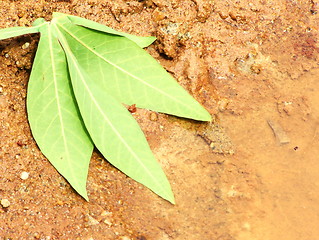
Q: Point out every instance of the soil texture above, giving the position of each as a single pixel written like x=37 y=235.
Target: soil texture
x=253 y=173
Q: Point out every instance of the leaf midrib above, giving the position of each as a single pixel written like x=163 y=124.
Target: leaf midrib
x=59 y=107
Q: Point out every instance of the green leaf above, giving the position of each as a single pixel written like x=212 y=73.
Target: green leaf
x=130 y=74
x=112 y=128
x=140 y=41
x=53 y=114
x=17 y=31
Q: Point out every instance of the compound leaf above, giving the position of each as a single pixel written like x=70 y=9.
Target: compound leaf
x=113 y=130
x=81 y=74
x=53 y=114
x=129 y=74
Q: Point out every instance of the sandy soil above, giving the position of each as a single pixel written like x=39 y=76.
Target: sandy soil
x=253 y=65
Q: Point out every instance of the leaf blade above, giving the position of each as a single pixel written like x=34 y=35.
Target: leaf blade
x=53 y=115
x=134 y=79
x=16 y=31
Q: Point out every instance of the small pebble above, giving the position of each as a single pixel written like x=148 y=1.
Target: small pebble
x=92 y=221
x=59 y=203
x=108 y=222
x=222 y=105
x=132 y=108
x=124 y=238
x=26 y=45
x=106 y=213
x=36 y=235
x=24 y=175
x=158 y=15
x=153 y=116
x=5 y=203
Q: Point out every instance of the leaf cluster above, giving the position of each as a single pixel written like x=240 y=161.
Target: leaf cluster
x=82 y=74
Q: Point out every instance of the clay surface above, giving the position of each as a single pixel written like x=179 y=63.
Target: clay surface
x=247 y=62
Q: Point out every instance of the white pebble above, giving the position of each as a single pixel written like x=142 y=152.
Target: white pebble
x=5 y=203
x=124 y=238
x=26 y=45
x=24 y=175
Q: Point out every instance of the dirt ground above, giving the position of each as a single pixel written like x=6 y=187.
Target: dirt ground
x=252 y=174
